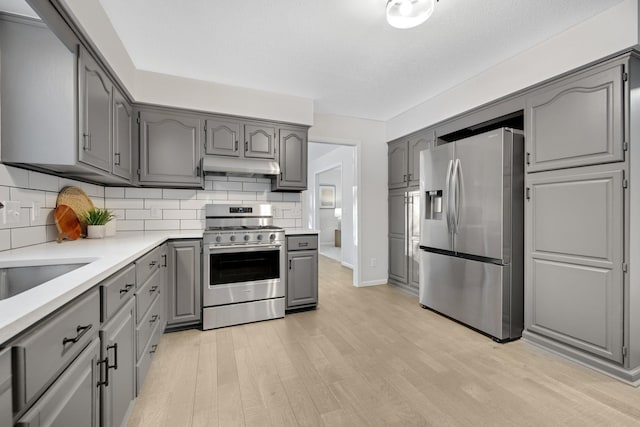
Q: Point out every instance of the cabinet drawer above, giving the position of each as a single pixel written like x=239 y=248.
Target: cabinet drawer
x=146 y=294
x=302 y=243
x=147 y=264
x=43 y=353
x=73 y=399
x=116 y=291
x=5 y=388
x=142 y=367
x=144 y=330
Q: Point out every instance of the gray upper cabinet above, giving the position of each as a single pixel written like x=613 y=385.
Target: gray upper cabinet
x=578 y=121
x=223 y=137
x=170 y=149
x=94 y=93
x=259 y=141
x=184 y=283
x=404 y=159
x=574 y=258
x=122 y=135
x=292 y=153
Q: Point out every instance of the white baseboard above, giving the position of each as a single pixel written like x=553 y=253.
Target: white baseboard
x=372 y=283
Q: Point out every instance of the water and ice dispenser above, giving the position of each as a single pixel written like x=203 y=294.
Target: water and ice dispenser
x=433 y=204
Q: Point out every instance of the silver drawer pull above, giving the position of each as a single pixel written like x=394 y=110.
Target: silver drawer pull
x=126 y=288
x=153 y=289
x=154 y=318
x=80 y=331
x=303 y=244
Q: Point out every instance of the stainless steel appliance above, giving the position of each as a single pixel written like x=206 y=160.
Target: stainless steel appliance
x=243 y=266
x=471 y=235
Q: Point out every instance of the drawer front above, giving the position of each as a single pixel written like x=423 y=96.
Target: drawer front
x=144 y=330
x=42 y=354
x=117 y=290
x=142 y=367
x=146 y=294
x=5 y=388
x=302 y=243
x=147 y=264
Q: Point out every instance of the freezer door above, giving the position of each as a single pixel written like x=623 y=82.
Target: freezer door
x=476 y=293
x=481 y=187
x=435 y=167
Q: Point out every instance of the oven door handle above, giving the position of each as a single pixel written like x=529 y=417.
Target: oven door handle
x=241 y=248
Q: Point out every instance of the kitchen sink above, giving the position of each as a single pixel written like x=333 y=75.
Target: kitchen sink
x=15 y=280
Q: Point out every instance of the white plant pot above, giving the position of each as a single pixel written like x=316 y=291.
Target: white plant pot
x=95 y=231
x=110 y=228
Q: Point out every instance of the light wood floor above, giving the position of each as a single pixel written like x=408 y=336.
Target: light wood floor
x=369 y=356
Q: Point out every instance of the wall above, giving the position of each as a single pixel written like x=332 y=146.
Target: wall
x=612 y=31
x=368 y=136
x=328 y=221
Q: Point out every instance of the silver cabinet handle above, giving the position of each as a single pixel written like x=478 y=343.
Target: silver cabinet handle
x=117 y=159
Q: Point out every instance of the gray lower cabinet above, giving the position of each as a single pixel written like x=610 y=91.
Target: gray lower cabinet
x=170 y=149
x=302 y=271
x=6 y=407
x=73 y=400
x=184 y=283
x=404 y=239
x=292 y=157
x=577 y=121
x=117 y=339
x=574 y=292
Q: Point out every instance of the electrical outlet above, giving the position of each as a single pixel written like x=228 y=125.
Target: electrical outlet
x=373 y=262
x=10 y=212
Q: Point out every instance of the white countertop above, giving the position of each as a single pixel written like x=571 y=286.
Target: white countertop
x=294 y=231
x=104 y=257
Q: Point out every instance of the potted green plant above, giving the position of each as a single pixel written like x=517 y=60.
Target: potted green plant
x=96 y=220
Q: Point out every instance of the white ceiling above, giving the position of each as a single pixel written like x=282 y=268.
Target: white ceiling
x=340 y=53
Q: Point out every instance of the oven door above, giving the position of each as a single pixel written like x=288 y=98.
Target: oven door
x=242 y=273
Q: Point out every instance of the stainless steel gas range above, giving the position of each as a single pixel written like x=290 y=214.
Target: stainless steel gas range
x=243 y=266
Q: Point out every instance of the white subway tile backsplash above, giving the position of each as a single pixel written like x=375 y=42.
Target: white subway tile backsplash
x=143 y=193
x=114 y=192
x=256 y=186
x=124 y=203
x=274 y=197
x=227 y=186
x=179 y=214
x=137 y=214
x=51 y=232
x=211 y=195
x=241 y=179
x=119 y=213
x=41 y=181
x=191 y=224
x=285 y=223
x=193 y=204
x=126 y=225
x=159 y=224
x=178 y=194
x=241 y=196
x=44 y=217
x=27 y=236
x=50 y=200
x=216 y=178
x=267 y=180
x=13 y=177
x=5 y=192
x=291 y=197
x=92 y=190
x=5 y=240
x=162 y=204
x=27 y=197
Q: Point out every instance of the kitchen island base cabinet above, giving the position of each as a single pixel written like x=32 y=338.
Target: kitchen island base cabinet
x=302 y=271
x=184 y=305
x=73 y=399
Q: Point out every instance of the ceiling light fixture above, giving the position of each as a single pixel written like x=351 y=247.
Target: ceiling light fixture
x=409 y=13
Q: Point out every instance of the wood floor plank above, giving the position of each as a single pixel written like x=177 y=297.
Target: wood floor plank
x=370 y=357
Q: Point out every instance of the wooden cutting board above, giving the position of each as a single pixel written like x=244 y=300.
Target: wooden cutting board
x=67 y=223
x=76 y=199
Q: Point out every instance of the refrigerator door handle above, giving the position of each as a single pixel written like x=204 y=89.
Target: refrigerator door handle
x=456 y=186
x=448 y=196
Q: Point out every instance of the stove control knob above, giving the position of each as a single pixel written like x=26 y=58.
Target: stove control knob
x=232 y=238
x=272 y=236
x=246 y=237
x=259 y=237
x=218 y=239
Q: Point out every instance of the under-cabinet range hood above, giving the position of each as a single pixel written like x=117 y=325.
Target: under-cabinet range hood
x=244 y=167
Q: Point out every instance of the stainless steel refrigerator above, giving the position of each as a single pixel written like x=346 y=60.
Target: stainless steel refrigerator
x=471 y=231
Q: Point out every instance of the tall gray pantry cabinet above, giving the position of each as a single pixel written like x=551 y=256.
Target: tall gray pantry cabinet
x=404 y=208
x=579 y=298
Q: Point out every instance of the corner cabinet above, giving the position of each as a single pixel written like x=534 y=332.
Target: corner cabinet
x=170 y=149
x=302 y=271
x=292 y=157
x=184 y=283
x=404 y=159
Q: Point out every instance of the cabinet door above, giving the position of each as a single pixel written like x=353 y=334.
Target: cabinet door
x=302 y=278
x=73 y=399
x=122 y=135
x=574 y=256
x=293 y=160
x=413 y=236
x=117 y=340
x=94 y=91
x=184 y=303
x=170 y=149
x=576 y=123
x=260 y=141
x=398 y=170
x=398 y=236
x=6 y=407
x=415 y=146
x=222 y=138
